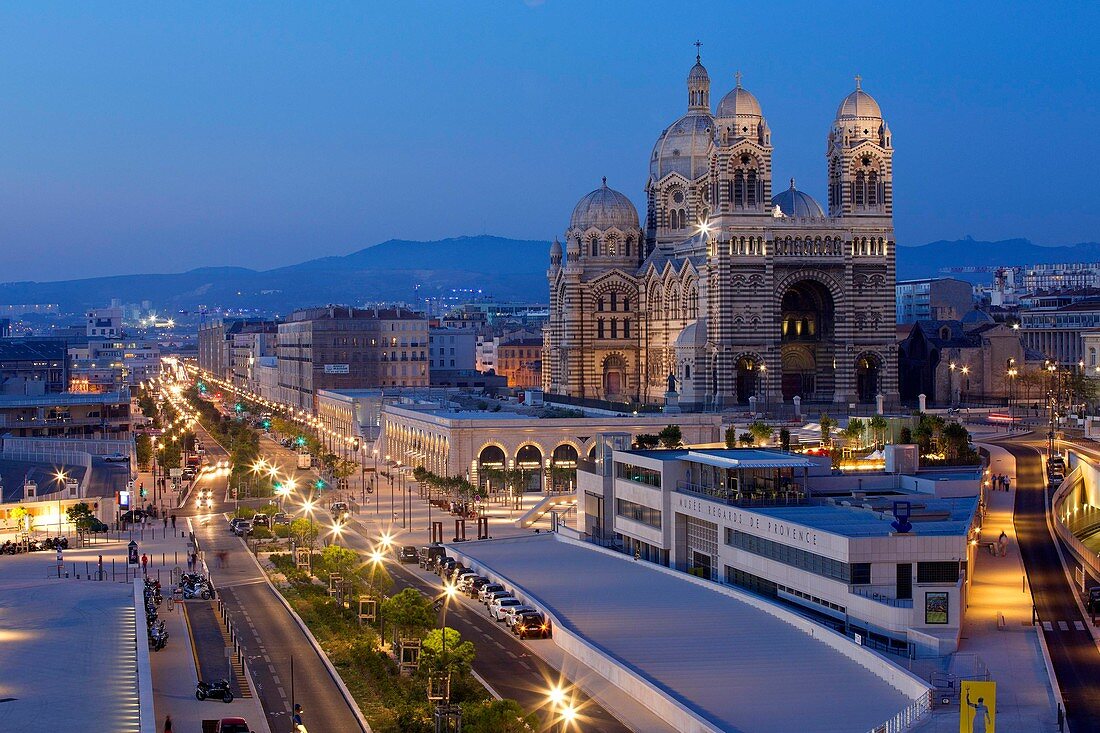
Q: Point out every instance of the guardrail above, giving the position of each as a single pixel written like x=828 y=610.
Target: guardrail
x=1064 y=503
x=906 y=718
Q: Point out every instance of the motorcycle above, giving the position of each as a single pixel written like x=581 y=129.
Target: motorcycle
x=158 y=637
x=197 y=591
x=218 y=690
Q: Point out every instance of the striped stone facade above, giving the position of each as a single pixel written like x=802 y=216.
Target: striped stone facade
x=735 y=293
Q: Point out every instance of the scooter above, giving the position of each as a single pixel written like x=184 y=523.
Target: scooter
x=158 y=637
x=218 y=690
x=197 y=591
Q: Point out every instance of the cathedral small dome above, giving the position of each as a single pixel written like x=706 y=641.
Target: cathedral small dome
x=698 y=72
x=858 y=104
x=555 y=249
x=684 y=147
x=604 y=208
x=797 y=205
x=739 y=103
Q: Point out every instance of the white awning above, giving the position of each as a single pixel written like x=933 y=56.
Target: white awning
x=769 y=462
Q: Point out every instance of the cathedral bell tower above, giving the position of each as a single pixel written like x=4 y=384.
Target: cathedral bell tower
x=860 y=153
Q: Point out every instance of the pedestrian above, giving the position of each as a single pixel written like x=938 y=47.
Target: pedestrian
x=173 y=521
x=1007 y=483
x=144 y=564
x=168 y=724
x=296 y=719
x=1002 y=542
x=165 y=522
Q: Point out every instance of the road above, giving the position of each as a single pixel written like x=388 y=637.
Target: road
x=269 y=634
x=507 y=664
x=1073 y=651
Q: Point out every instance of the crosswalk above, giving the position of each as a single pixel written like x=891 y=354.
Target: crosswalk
x=1063 y=625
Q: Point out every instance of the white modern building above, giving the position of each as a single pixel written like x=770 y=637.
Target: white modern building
x=452 y=348
x=782 y=526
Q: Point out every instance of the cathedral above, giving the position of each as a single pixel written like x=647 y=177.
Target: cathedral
x=730 y=291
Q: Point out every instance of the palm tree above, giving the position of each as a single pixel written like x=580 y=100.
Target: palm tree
x=878 y=427
x=761 y=432
x=854 y=432
x=827 y=425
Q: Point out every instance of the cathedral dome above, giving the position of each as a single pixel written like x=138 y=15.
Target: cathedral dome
x=797 y=205
x=604 y=208
x=555 y=249
x=858 y=104
x=698 y=72
x=739 y=103
x=684 y=147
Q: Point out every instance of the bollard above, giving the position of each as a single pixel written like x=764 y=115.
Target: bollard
x=112 y=570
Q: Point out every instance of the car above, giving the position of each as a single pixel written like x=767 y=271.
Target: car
x=234 y=522
x=261 y=520
x=445 y=566
x=467 y=581
x=132 y=516
x=116 y=458
x=407 y=554
x=452 y=572
x=244 y=527
x=488 y=588
x=428 y=554
x=532 y=624
x=511 y=613
x=279 y=518
x=340 y=511
x=97 y=526
x=474 y=589
x=497 y=595
x=232 y=725
x=204 y=502
x=496 y=608
x=457 y=578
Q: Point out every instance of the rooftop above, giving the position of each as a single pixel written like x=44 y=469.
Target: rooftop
x=65 y=398
x=739 y=662
x=930 y=516
x=730 y=457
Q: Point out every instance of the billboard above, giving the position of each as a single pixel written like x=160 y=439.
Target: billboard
x=977 y=707
x=337 y=369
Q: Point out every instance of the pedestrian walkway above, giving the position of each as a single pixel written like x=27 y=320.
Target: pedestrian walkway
x=997 y=633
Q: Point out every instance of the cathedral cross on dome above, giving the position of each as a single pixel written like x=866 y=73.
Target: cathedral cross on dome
x=859 y=81
x=698 y=47
x=737 y=76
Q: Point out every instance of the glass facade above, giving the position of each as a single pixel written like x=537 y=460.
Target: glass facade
x=638 y=513
x=938 y=572
x=637 y=474
x=793 y=556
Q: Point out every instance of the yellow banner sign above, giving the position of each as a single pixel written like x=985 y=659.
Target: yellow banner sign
x=977 y=707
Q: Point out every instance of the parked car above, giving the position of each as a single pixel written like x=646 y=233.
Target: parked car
x=497 y=595
x=97 y=526
x=457 y=578
x=244 y=527
x=428 y=554
x=132 y=516
x=261 y=520
x=511 y=613
x=483 y=593
x=496 y=608
x=445 y=566
x=453 y=572
x=532 y=624
x=234 y=522
x=233 y=725
x=407 y=554
x=279 y=518
x=467 y=581
x=116 y=458
x=474 y=589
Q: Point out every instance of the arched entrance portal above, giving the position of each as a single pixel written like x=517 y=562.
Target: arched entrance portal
x=529 y=460
x=806 y=332
x=563 y=468
x=868 y=375
x=748 y=369
x=614 y=377
x=489 y=462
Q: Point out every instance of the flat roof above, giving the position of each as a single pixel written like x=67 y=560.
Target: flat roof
x=64 y=398
x=730 y=457
x=930 y=516
x=741 y=667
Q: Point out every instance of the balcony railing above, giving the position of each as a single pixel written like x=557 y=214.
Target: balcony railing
x=791 y=495
x=879 y=594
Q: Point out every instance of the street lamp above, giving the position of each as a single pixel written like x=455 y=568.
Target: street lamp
x=307 y=507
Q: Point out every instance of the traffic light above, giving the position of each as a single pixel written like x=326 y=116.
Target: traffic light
x=238 y=407
x=300 y=440
x=266 y=424
x=320 y=485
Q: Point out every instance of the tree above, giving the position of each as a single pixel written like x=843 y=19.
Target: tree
x=854 y=432
x=731 y=436
x=761 y=432
x=303 y=533
x=905 y=435
x=785 y=439
x=745 y=439
x=956 y=441
x=80 y=516
x=409 y=611
x=20 y=516
x=646 y=441
x=878 y=427
x=827 y=425
x=671 y=437
x=143 y=445
x=497 y=716
x=458 y=656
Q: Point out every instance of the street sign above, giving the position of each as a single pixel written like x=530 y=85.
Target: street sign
x=175 y=472
x=132 y=553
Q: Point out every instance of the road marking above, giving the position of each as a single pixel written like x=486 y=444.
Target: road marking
x=511 y=654
x=1063 y=626
x=1047 y=626
x=1079 y=625
x=275 y=677
x=282 y=693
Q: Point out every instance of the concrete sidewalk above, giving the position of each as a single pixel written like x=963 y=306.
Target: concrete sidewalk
x=997 y=632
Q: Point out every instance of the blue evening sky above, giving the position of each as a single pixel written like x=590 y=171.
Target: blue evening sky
x=140 y=137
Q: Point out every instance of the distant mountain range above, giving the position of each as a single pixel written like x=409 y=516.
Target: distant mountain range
x=509 y=269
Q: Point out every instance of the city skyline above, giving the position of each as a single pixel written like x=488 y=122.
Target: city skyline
x=169 y=140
